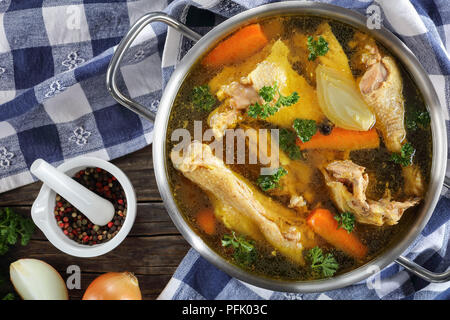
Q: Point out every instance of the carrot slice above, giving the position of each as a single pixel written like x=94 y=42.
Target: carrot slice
x=325 y=225
x=342 y=139
x=240 y=45
x=206 y=220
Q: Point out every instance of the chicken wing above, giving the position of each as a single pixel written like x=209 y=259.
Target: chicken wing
x=347 y=183
x=381 y=86
x=280 y=226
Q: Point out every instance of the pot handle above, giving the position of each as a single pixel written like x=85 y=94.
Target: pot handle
x=125 y=44
x=421 y=271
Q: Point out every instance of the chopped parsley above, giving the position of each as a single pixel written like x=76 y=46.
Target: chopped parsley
x=406 y=155
x=324 y=265
x=262 y=111
x=202 y=98
x=287 y=101
x=268 y=93
x=418 y=120
x=244 y=250
x=288 y=145
x=268 y=182
x=305 y=129
x=13 y=226
x=317 y=47
x=269 y=107
x=346 y=221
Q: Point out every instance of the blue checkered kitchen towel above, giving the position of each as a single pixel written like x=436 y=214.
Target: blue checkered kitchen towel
x=54 y=105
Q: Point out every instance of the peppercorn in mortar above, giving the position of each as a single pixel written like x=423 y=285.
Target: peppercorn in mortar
x=76 y=225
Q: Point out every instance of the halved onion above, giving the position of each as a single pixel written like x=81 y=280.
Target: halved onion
x=341 y=101
x=34 y=279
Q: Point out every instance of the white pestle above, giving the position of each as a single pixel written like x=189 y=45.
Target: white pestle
x=97 y=209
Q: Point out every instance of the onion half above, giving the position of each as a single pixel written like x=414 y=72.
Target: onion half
x=341 y=101
x=36 y=280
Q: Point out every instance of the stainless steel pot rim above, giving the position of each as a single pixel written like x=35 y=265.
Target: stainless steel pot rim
x=397 y=48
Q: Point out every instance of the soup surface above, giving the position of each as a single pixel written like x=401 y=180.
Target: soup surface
x=335 y=149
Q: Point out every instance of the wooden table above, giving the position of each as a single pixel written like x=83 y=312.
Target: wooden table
x=152 y=250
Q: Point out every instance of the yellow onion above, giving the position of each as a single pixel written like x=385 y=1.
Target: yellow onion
x=341 y=101
x=114 y=286
x=36 y=280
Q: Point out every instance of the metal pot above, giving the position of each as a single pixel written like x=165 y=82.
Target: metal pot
x=439 y=137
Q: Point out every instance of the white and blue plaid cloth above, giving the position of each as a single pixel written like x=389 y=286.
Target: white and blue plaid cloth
x=54 y=105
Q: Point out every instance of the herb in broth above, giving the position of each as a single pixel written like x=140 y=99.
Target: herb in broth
x=244 y=252
x=287 y=140
x=268 y=182
x=259 y=256
x=202 y=98
x=418 y=120
x=269 y=108
x=405 y=157
x=317 y=47
x=305 y=129
x=322 y=265
x=346 y=221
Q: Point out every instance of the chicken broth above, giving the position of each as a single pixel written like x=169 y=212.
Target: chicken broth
x=310 y=78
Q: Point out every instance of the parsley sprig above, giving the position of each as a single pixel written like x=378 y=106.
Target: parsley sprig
x=317 y=47
x=346 y=221
x=270 y=107
x=323 y=265
x=13 y=226
x=202 y=98
x=418 y=120
x=406 y=155
x=244 y=250
x=288 y=145
x=268 y=182
x=305 y=129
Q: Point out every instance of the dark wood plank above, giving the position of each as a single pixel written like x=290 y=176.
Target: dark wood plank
x=152 y=259
x=138 y=166
x=141 y=255
x=151 y=220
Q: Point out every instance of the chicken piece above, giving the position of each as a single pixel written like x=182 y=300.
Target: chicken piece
x=381 y=86
x=307 y=106
x=280 y=226
x=235 y=220
x=335 y=58
x=231 y=73
x=347 y=183
x=276 y=68
x=414 y=184
x=367 y=52
x=297 y=202
x=342 y=176
x=223 y=118
x=242 y=95
x=268 y=72
x=388 y=212
x=296 y=182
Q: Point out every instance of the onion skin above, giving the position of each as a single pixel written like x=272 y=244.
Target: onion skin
x=114 y=286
